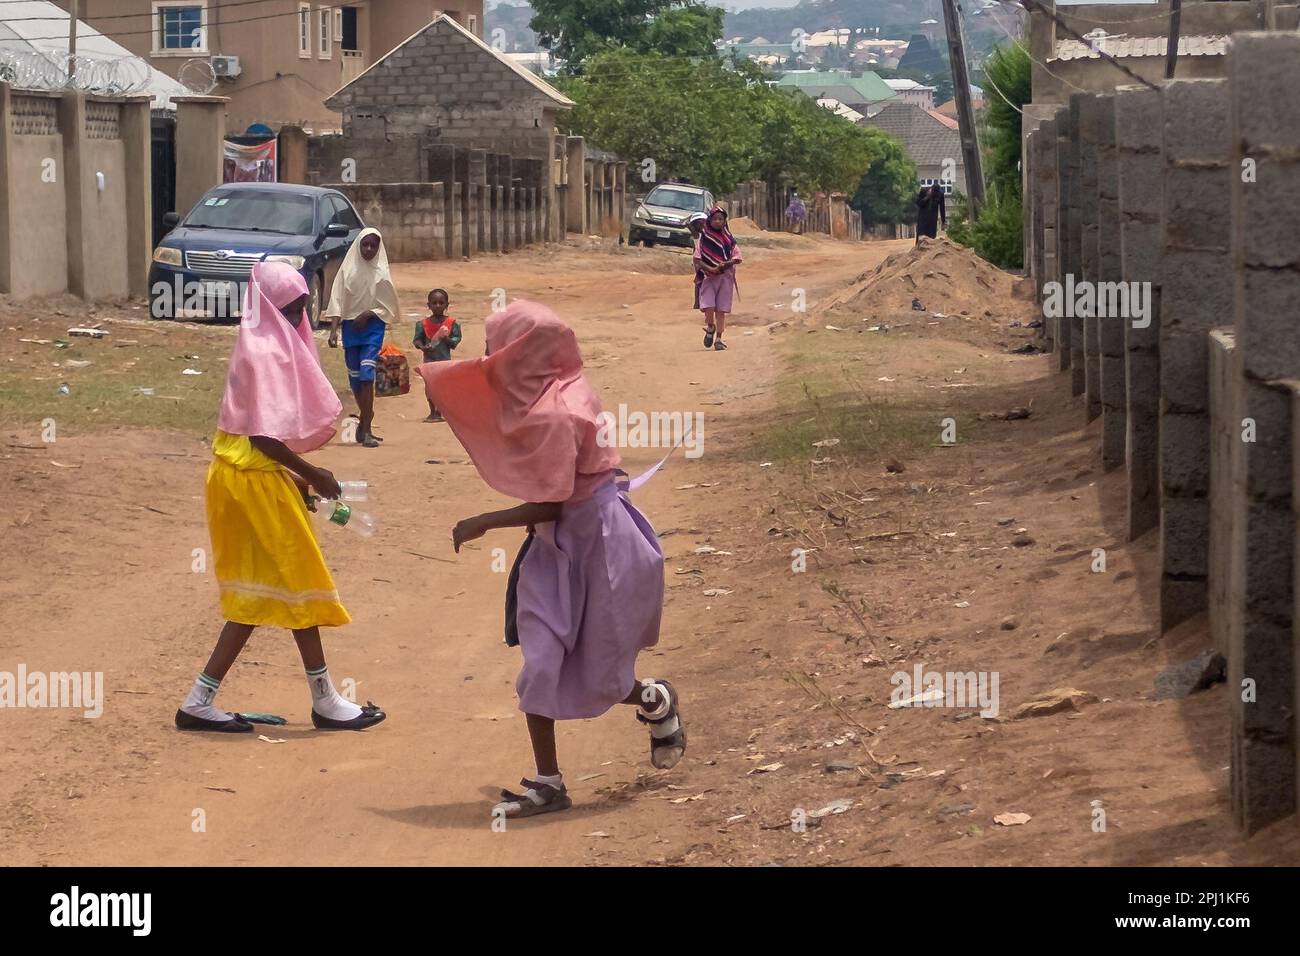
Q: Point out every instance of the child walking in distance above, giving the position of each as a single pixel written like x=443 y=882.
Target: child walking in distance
x=716 y=255
x=278 y=405
x=364 y=301
x=586 y=592
x=436 y=336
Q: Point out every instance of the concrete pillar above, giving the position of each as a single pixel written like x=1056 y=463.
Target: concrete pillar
x=1263 y=69
x=1139 y=131
x=1110 y=326
x=1078 y=363
x=505 y=174
x=137 y=139
x=1196 y=295
x=1225 y=434
x=1046 y=203
x=1090 y=121
x=520 y=211
x=200 y=147
x=576 y=194
x=442 y=168
x=479 y=199
x=292 y=146
x=1067 y=156
x=620 y=198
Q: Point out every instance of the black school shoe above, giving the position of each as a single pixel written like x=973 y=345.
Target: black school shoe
x=369 y=716
x=708 y=337
x=237 y=725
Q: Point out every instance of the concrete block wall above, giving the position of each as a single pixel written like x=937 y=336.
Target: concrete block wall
x=1045 y=204
x=1196 y=295
x=1265 y=193
x=1110 y=328
x=75 y=192
x=1139 y=134
x=1089 y=122
x=411 y=216
x=1193 y=186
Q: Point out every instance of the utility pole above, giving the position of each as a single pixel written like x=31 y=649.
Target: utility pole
x=970 y=147
x=74 y=12
x=1175 y=26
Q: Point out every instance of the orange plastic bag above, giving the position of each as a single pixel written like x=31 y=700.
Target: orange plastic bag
x=393 y=374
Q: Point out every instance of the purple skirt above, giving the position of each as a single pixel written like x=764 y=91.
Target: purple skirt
x=589 y=597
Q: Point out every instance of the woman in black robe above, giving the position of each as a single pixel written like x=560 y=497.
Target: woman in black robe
x=930 y=211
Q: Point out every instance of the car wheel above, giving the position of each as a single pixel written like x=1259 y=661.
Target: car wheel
x=314 y=301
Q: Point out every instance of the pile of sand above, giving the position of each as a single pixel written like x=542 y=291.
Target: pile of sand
x=744 y=226
x=938 y=274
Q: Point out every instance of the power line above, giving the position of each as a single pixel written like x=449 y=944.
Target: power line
x=989 y=79
x=1040 y=64
x=1032 y=5
x=150 y=31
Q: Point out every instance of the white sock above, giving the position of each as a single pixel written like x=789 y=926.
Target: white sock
x=667 y=727
x=556 y=781
x=327 y=701
x=199 y=702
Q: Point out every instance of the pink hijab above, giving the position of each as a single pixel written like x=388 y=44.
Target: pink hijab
x=524 y=412
x=275 y=386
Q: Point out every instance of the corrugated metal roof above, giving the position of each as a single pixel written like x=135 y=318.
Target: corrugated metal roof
x=1123 y=46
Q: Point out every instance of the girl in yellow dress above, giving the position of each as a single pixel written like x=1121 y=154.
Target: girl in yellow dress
x=278 y=404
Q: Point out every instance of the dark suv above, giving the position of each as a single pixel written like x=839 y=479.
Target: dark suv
x=201 y=267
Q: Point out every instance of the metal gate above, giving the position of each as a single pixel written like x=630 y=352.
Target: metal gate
x=163 y=154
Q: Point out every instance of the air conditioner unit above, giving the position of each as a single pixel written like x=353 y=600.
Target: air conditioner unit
x=226 y=67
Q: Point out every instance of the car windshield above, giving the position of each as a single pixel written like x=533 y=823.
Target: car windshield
x=676 y=199
x=255 y=211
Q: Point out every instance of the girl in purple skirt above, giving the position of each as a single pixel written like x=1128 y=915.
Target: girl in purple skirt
x=586 y=592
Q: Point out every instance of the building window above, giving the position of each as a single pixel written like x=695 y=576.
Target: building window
x=304 y=30
x=473 y=24
x=324 y=48
x=348 y=37
x=180 y=28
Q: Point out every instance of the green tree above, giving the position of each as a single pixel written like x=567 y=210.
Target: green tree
x=887 y=192
x=578 y=30
x=997 y=234
x=1006 y=74
x=716 y=123
x=692 y=119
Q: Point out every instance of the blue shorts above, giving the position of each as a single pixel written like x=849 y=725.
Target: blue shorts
x=362 y=361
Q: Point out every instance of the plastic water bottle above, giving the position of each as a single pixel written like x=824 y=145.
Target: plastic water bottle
x=341 y=513
x=354 y=491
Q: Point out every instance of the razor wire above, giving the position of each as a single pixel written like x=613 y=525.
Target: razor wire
x=53 y=71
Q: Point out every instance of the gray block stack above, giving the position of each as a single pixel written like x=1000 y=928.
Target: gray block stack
x=1196 y=296
x=1139 y=131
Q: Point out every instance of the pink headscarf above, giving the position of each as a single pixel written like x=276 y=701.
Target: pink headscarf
x=525 y=413
x=275 y=386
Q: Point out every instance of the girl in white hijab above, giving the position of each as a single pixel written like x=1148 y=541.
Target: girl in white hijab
x=364 y=300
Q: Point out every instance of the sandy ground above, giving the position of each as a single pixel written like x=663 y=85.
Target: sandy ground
x=785 y=677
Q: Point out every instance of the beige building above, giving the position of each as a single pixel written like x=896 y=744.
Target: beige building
x=277 y=60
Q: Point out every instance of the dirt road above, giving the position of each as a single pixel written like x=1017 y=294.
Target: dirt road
x=105 y=582
x=826 y=540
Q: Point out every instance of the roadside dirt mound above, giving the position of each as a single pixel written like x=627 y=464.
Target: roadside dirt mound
x=939 y=275
x=744 y=226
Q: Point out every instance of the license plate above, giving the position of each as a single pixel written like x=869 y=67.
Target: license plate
x=663 y=234
x=218 y=288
